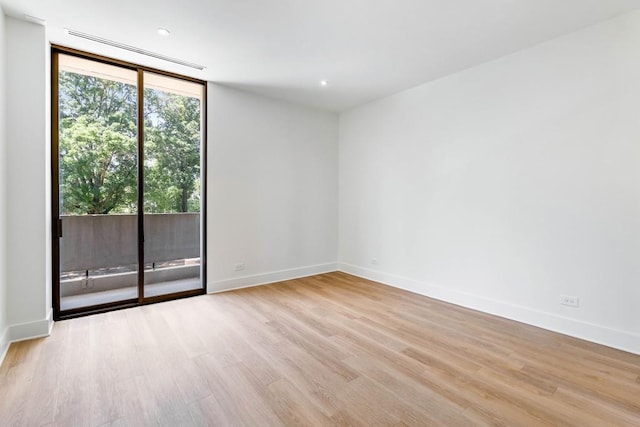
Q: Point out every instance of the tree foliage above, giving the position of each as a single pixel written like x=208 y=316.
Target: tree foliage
x=98 y=148
x=172 y=153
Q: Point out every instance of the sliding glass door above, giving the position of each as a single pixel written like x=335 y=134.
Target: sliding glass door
x=97 y=174
x=128 y=168
x=172 y=184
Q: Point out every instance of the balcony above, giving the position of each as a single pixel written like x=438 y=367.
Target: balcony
x=99 y=257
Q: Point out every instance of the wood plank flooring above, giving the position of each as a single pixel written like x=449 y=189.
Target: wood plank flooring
x=331 y=349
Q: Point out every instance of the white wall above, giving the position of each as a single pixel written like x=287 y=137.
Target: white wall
x=4 y=331
x=28 y=169
x=273 y=189
x=507 y=185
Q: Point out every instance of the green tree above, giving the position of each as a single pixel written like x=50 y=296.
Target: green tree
x=98 y=148
x=99 y=169
x=97 y=145
x=102 y=100
x=172 y=153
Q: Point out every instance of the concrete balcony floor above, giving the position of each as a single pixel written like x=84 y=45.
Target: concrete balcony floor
x=130 y=292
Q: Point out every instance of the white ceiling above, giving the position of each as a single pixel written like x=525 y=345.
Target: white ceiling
x=366 y=49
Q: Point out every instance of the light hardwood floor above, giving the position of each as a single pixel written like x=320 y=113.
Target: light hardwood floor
x=325 y=350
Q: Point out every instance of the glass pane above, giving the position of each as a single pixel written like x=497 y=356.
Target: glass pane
x=172 y=190
x=98 y=182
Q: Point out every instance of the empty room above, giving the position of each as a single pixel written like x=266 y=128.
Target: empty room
x=358 y=213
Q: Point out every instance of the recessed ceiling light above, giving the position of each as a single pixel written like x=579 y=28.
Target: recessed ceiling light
x=324 y=83
x=163 y=32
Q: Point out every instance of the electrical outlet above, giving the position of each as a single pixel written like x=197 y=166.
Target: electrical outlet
x=569 y=300
x=239 y=266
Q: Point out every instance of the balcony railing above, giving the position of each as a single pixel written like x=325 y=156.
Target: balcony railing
x=98 y=253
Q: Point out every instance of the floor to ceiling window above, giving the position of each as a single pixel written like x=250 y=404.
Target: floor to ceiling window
x=128 y=161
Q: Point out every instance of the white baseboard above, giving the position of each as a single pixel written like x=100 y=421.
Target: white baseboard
x=622 y=340
x=4 y=344
x=271 y=277
x=25 y=331
x=30 y=330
